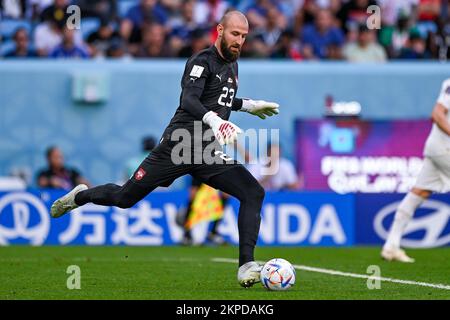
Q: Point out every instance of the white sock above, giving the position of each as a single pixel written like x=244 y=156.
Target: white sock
x=403 y=215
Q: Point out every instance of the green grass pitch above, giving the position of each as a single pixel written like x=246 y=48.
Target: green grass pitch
x=190 y=273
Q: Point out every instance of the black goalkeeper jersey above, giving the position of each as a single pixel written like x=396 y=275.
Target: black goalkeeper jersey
x=209 y=83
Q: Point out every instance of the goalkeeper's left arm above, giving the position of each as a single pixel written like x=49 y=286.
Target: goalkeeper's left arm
x=258 y=108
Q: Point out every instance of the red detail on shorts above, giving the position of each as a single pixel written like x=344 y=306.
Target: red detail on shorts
x=140 y=174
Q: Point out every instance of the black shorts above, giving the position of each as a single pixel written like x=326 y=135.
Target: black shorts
x=158 y=169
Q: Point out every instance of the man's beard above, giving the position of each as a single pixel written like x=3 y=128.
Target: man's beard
x=227 y=54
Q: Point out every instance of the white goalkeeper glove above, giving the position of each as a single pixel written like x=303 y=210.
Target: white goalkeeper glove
x=260 y=108
x=224 y=131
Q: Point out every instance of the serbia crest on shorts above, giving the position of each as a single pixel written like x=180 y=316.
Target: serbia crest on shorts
x=139 y=174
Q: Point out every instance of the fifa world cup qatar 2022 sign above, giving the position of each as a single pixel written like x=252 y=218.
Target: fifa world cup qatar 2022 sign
x=353 y=155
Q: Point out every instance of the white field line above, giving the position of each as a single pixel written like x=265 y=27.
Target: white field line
x=351 y=275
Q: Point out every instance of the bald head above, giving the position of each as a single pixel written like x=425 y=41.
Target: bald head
x=232 y=30
x=234 y=17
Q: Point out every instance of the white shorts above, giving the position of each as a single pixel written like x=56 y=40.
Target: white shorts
x=435 y=174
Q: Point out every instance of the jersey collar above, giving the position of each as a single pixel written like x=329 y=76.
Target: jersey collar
x=218 y=55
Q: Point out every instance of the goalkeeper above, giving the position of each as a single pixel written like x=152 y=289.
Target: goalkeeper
x=209 y=85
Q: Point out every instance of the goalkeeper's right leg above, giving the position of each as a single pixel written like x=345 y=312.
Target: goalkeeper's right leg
x=154 y=171
x=109 y=194
x=66 y=203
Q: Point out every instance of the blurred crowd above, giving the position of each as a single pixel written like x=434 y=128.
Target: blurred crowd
x=279 y=29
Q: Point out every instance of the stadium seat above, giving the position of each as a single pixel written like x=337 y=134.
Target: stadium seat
x=89 y=25
x=12 y=183
x=124 y=6
x=9 y=26
x=6 y=46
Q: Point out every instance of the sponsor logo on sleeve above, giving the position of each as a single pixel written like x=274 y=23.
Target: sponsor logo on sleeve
x=196 y=71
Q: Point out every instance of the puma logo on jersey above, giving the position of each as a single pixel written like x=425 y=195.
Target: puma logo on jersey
x=230 y=80
x=220 y=77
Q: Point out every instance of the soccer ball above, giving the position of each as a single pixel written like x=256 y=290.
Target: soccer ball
x=278 y=274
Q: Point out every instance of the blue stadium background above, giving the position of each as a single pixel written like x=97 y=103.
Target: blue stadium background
x=38 y=108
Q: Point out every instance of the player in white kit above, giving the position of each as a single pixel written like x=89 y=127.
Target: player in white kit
x=434 y=176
